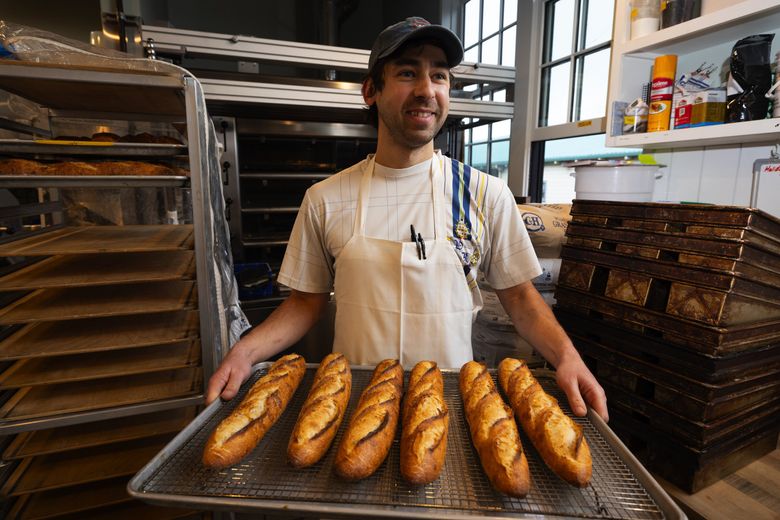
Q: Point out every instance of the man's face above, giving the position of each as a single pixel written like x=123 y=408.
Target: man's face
x=415 y=99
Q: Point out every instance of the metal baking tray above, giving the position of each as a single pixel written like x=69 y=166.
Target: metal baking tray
x=739 y=217
x=724 y=302
x=696 y=365
x=680 y=243
x=93 y=181
x=90 y=148
x=264 y=482
x=717 y=341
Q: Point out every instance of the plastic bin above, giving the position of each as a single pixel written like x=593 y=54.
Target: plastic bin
x=633 y=183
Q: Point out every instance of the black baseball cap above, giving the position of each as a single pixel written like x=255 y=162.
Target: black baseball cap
x=416 y=28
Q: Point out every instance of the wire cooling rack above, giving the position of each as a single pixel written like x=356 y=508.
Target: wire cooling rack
x=263 y=481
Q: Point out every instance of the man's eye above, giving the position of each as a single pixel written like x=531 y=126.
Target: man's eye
x=406 y=73
x=440 y=76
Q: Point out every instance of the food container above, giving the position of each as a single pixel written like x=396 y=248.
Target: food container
x=626 y=182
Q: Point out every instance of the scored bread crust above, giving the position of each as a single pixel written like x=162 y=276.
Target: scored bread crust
x=244 y=428
x=558 y=439
x=493 y=431
x=322 y=412
x=425 y=425
x=371 y=429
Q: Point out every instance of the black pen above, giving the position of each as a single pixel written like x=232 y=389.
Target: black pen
x=414 y=235
x=422 y=245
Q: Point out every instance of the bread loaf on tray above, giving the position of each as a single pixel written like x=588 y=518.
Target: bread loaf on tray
x=493 y=431
x=244 y=428
x=371 y=429
x=425 y=425
x=322 y=412
x=558 y=439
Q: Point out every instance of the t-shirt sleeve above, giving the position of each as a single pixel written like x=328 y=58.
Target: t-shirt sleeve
x=307 y=266
x=512 y=258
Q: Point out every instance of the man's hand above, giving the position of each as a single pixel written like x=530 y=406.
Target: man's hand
x=227 y=379
x=286 y=325
x=535 y=322
x=581 y=387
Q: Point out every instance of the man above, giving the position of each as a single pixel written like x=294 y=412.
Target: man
x=400 y=236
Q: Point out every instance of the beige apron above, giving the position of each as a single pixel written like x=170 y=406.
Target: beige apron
x=392 y=304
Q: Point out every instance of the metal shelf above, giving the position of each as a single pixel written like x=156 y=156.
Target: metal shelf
x=90 y=148
x=284 y=176
x=13 y=427
x=101 y=181
x=75 y=88
x=247 y=92
x=280 y=209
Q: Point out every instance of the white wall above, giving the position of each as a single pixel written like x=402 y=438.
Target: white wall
x=717 y=175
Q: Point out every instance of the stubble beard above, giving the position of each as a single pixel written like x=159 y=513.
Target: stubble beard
x=411 y=138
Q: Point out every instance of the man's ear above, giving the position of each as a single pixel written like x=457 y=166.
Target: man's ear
x=369 y=91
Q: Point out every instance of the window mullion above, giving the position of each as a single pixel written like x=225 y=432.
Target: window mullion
x=570 y=104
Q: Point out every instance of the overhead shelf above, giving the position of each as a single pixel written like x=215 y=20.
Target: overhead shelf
x=728 y=24
x=340 y=98
x=762 y=131
x=706 y=39
x=75 y=88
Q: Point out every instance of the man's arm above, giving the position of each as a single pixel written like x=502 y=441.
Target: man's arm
x=535 y=322
x=286 y=325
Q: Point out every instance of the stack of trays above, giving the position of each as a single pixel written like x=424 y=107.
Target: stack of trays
x=676 y=308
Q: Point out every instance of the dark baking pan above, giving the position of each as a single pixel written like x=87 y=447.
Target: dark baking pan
x=696 y=365
x=696 y=434
x=678 y=381
x=671 y=244
x=690 y=407
x=745 y=279
x=717 y=300
x=708 y=215
x=689 y=468
x=717 y=341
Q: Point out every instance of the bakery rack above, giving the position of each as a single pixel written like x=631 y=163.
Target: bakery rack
x=106 y=331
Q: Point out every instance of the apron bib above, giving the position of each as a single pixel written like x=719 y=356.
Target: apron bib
x=392 y=304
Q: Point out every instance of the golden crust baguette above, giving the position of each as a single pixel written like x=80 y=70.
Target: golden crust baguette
x=244 y=428
x=493 y=431
x=425 y=425
x=322 y=412
x=558 y=439
x=371 y=429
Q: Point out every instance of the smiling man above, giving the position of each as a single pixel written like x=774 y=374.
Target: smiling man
x=400 y=237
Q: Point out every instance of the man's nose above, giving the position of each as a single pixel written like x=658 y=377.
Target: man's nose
x=423 y=87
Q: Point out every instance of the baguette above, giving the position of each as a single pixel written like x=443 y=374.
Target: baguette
x=425 y=425
x=493 y=431
x=558 y=439
x=322 y=412
x=371 y=430
x=244 y=428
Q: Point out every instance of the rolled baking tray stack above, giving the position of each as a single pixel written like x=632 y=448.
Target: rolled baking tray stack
x=676 y=309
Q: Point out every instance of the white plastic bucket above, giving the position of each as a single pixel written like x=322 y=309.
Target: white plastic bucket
x=628 y=182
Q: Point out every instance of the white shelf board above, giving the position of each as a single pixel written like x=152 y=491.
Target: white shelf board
x=728 y=24
x=762 y=131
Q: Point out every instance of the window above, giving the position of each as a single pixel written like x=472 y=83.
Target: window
x=489 y=36
x=486 y=145
x=575 y=60
x=489 y=31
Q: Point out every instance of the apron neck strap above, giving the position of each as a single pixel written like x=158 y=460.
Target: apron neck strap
x=437 y=196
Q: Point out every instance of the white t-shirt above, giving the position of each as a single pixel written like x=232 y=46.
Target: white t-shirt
x=483 y=222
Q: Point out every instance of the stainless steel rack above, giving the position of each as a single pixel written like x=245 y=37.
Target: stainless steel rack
x=47 y=410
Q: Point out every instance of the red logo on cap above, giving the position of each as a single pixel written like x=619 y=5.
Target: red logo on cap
x=418 y=22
